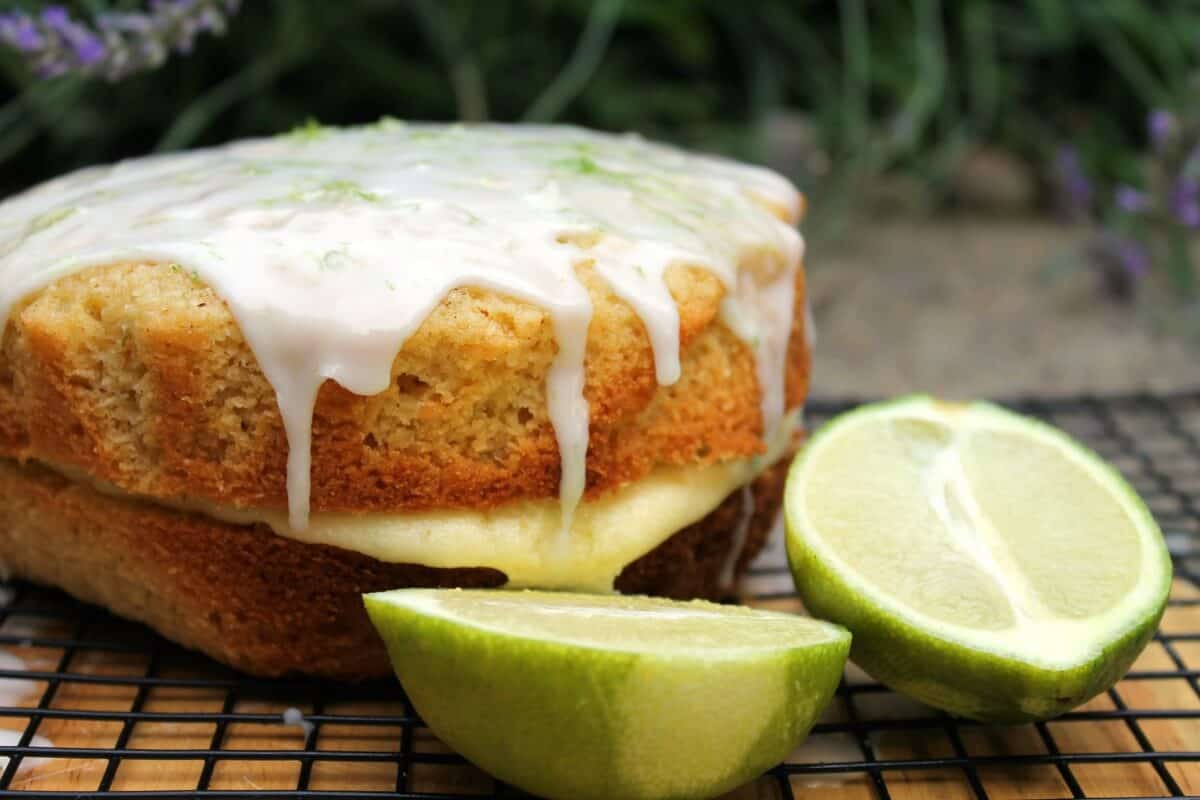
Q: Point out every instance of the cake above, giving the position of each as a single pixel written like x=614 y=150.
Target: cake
x=240 y=387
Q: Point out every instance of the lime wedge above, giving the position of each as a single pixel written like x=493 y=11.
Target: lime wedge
x=602 y=696
x=985 y=562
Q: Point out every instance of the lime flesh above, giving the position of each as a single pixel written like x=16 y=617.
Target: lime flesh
x=985 y=563
x=603 y=696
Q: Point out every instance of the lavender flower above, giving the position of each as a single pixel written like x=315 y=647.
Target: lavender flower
x=1134 y=257
x=1185 y=202
x=1077 y=188
x=117 y=44
x=1161 y=126
x=1121 y=262
x=1131 y=200
x=19 y=31
x=1153 y=228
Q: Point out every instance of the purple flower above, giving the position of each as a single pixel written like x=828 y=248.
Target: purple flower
x=1161 y=126
x=1134 y=257
x=1130 y=200
x=1185 y=202
x=19 y=31
x=56 y=18
x=89 y=50
x=1120 y=261
x=117 y=43
x=1077 y=188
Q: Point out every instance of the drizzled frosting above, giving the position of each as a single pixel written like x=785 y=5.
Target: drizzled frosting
x=331 y=246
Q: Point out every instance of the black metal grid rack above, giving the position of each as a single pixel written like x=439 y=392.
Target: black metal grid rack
x=95 y=705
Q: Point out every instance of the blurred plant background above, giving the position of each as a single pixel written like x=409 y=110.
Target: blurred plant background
x=925 y=108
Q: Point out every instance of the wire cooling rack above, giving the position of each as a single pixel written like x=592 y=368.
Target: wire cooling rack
x=94 y=705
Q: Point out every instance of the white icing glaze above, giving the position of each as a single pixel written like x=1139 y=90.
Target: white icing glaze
x=332 y=246
x=294 y=717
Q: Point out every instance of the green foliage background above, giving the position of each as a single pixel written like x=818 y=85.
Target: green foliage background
x=908 y=85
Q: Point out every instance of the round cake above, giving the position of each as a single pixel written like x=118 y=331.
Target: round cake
x=239 y=387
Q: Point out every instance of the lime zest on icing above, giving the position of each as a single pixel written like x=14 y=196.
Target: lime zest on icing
x=50 y=218
x=308 y=131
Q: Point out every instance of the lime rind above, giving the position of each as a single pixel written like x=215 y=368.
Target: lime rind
x=971 y=672
x=568 y=719
x=949 y=674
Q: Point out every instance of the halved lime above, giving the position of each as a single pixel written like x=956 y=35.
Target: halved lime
x=602 y=696
x=985 y=562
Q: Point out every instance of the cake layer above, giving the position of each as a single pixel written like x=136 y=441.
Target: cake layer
x=141 y=377
x=270 y=605
x=400 y=317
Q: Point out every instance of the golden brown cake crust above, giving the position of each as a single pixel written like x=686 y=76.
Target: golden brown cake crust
x=270 y=605
x=139 y=375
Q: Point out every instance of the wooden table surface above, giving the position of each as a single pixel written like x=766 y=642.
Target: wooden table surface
x=1165 y=707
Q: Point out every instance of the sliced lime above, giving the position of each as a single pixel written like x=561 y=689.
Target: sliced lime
x=986 y=563
x=602 y=696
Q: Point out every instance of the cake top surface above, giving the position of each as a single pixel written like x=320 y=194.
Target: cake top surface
x=331 y=246
x=353 y=209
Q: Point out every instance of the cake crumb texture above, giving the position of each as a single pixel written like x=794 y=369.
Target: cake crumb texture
x=138 y=375
x=273 y=606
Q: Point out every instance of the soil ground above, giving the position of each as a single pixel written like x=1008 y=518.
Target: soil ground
x=963 y=309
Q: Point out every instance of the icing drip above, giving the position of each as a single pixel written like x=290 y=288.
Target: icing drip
x=332 y=247
x=761 y=314
x=568 y=408
x=294 y=717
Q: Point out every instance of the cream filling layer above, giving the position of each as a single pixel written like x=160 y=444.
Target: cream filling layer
x=524 y=540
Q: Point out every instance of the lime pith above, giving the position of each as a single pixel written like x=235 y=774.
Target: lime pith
x=985 y=562
x=599 y=696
